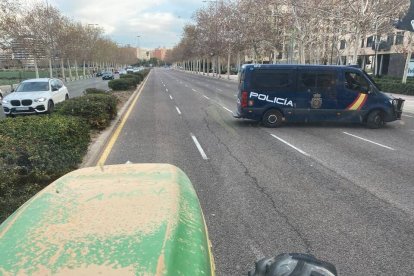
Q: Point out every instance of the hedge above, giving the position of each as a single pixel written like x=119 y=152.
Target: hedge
x=96 y=109
x=94 y=91
x=34 y=151
x=136 y=79
x=394 y=85
x=121 y=84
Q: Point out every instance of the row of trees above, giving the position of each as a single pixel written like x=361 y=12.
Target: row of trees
x=292 y=31
x=41 y=32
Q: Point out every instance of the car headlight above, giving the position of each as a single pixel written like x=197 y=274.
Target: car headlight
x=4 y=101
x=40 y=100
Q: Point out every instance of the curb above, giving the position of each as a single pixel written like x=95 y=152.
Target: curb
x=96 y=148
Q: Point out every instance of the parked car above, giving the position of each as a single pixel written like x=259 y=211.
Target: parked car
x=108 y=76
x=123 y=72
x=100 y=73
x=35 y=96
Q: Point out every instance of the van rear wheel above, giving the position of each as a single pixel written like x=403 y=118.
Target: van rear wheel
x=272 y=118
x=375 y=119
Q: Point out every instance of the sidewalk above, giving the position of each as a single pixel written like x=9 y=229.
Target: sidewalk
x=408 y=104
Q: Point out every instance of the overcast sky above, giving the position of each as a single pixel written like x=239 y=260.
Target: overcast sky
x=158 y=22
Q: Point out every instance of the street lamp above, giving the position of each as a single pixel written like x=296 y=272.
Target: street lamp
x=138 y=48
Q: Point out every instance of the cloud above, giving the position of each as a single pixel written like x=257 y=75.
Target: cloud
x=158 y=22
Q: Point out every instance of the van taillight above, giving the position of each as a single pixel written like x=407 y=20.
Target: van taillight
x=244 y=97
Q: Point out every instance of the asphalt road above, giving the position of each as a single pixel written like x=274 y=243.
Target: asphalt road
x=341 y=192
x=76 y=88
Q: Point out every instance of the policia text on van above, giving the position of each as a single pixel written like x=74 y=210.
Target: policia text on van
x=300 y=93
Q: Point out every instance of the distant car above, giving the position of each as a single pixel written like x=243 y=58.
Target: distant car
x=108 y=76
x=116 y=72
x=35 y=96
x=100 y=74
x=123 y=72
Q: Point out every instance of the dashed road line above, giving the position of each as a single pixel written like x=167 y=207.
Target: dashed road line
x=206 y=97
x=290 y=145
x=178 y=110
x=171 y=97
x=166 y=90
x=200 y=149
x=226 y=109
x=366 y=140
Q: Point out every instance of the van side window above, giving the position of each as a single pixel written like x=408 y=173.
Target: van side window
x=356 y=82
x=272 y=80
x=307 y=80
x=327 y=84
x=318 y=82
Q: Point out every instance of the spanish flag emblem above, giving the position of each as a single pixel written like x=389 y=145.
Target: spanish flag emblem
x=359 y=102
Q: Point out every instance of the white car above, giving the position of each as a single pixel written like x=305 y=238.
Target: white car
x=35 y=96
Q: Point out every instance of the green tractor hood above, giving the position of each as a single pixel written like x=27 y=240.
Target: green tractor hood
x=113 y=220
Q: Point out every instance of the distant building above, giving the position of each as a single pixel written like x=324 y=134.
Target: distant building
x=160 y=53
x=144 y=54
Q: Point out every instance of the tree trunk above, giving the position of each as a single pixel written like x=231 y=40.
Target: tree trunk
x=62 y=68
x=50 y=68
x=84 y=69
x=36 y=68
x=70 y=70
x=407 y=61
x=76 y=69
x=228 y=63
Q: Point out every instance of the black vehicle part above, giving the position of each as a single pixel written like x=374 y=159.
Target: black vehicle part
x=375 y=119
x=50 y=107
x=293 y=264
x=272 y=118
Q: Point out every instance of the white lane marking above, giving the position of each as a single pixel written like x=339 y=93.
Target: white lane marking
x=290 y=145
x=366 y=140
x=409 y=116
x=226 y=109
x=171 y=97
x=194 y=90
x=235 y=95
x=178 y=110
x=218 y=89
x=166 y=90
x=206 y=97
x=128 y=162
x=164 y=85
x=200 y=149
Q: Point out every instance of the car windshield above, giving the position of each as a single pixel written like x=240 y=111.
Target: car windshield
x=33 y=86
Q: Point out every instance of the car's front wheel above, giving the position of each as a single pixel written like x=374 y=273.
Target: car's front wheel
x=375 y=119
x=50 y=107
x=66 y=97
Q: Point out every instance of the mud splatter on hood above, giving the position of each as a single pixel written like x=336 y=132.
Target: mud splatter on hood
x=124 y=219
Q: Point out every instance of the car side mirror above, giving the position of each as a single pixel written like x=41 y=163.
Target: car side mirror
x=54 y=88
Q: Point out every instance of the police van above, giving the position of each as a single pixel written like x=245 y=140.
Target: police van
x=274 y=94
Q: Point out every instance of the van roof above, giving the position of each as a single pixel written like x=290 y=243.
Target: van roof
x=297 y=66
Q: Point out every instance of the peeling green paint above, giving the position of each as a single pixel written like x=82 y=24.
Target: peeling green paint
x=138 y=219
